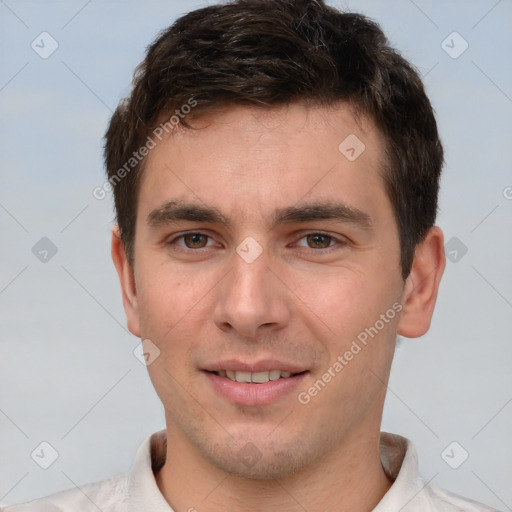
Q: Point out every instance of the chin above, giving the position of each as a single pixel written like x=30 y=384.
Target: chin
x=263 y=459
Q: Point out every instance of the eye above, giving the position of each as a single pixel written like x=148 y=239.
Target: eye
x=191 y=240
x=319 y=241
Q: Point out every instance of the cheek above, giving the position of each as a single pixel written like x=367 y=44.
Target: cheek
x=163 y=299
x=170 y=316
x=174 y=314
x=344 y=302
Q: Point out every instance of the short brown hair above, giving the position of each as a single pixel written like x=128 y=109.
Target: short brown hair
x=273 y=52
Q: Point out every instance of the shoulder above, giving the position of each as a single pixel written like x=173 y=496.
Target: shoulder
x=108 y=495
x=446 y=501
x=409 y=492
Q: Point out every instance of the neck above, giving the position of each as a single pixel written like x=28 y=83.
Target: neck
x=348 y=478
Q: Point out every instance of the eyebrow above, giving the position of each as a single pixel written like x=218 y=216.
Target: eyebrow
x=175 y=211
x=340 y=212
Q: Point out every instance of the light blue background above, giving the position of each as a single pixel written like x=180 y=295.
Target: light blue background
x=67 y=372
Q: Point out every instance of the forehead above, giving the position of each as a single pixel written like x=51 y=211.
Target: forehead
x=279 y=125
x=244 y=159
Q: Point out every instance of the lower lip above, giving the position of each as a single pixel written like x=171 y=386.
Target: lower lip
x=243 y=393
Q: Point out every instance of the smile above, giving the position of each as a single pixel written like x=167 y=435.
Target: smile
x=241 y=387
x=255 y=377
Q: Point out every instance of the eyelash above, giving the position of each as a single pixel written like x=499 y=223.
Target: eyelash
x=337 y=241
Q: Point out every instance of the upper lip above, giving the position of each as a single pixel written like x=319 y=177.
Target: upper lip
x=259 y=366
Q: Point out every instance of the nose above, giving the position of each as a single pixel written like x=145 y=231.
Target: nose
x=251 y=300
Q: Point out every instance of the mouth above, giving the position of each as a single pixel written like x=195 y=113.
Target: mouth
x=255 y=377
x=254 y=385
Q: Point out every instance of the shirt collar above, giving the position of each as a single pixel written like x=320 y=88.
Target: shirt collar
x=398 y=457
x=143 y=491
x=400 y=462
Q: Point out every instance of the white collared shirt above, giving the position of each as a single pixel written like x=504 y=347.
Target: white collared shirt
x=137 y=490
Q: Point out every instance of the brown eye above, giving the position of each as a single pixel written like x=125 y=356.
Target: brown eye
x=318 y=241
x=195 y=240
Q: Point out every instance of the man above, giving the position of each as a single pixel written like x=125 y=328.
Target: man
x=275 y=173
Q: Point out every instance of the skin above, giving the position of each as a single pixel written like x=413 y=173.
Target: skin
x=303 y=300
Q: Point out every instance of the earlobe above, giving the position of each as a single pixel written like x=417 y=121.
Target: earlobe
x=422 y=285
x=127 y=281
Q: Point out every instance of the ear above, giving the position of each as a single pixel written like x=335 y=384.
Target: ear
x=422 y=285
x=127 y=279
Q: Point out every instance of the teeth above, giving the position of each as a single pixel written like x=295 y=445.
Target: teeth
x=260 y=377
x=256 y=377
x=243 y=376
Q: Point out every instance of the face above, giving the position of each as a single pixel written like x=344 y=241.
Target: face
x=267 y=278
